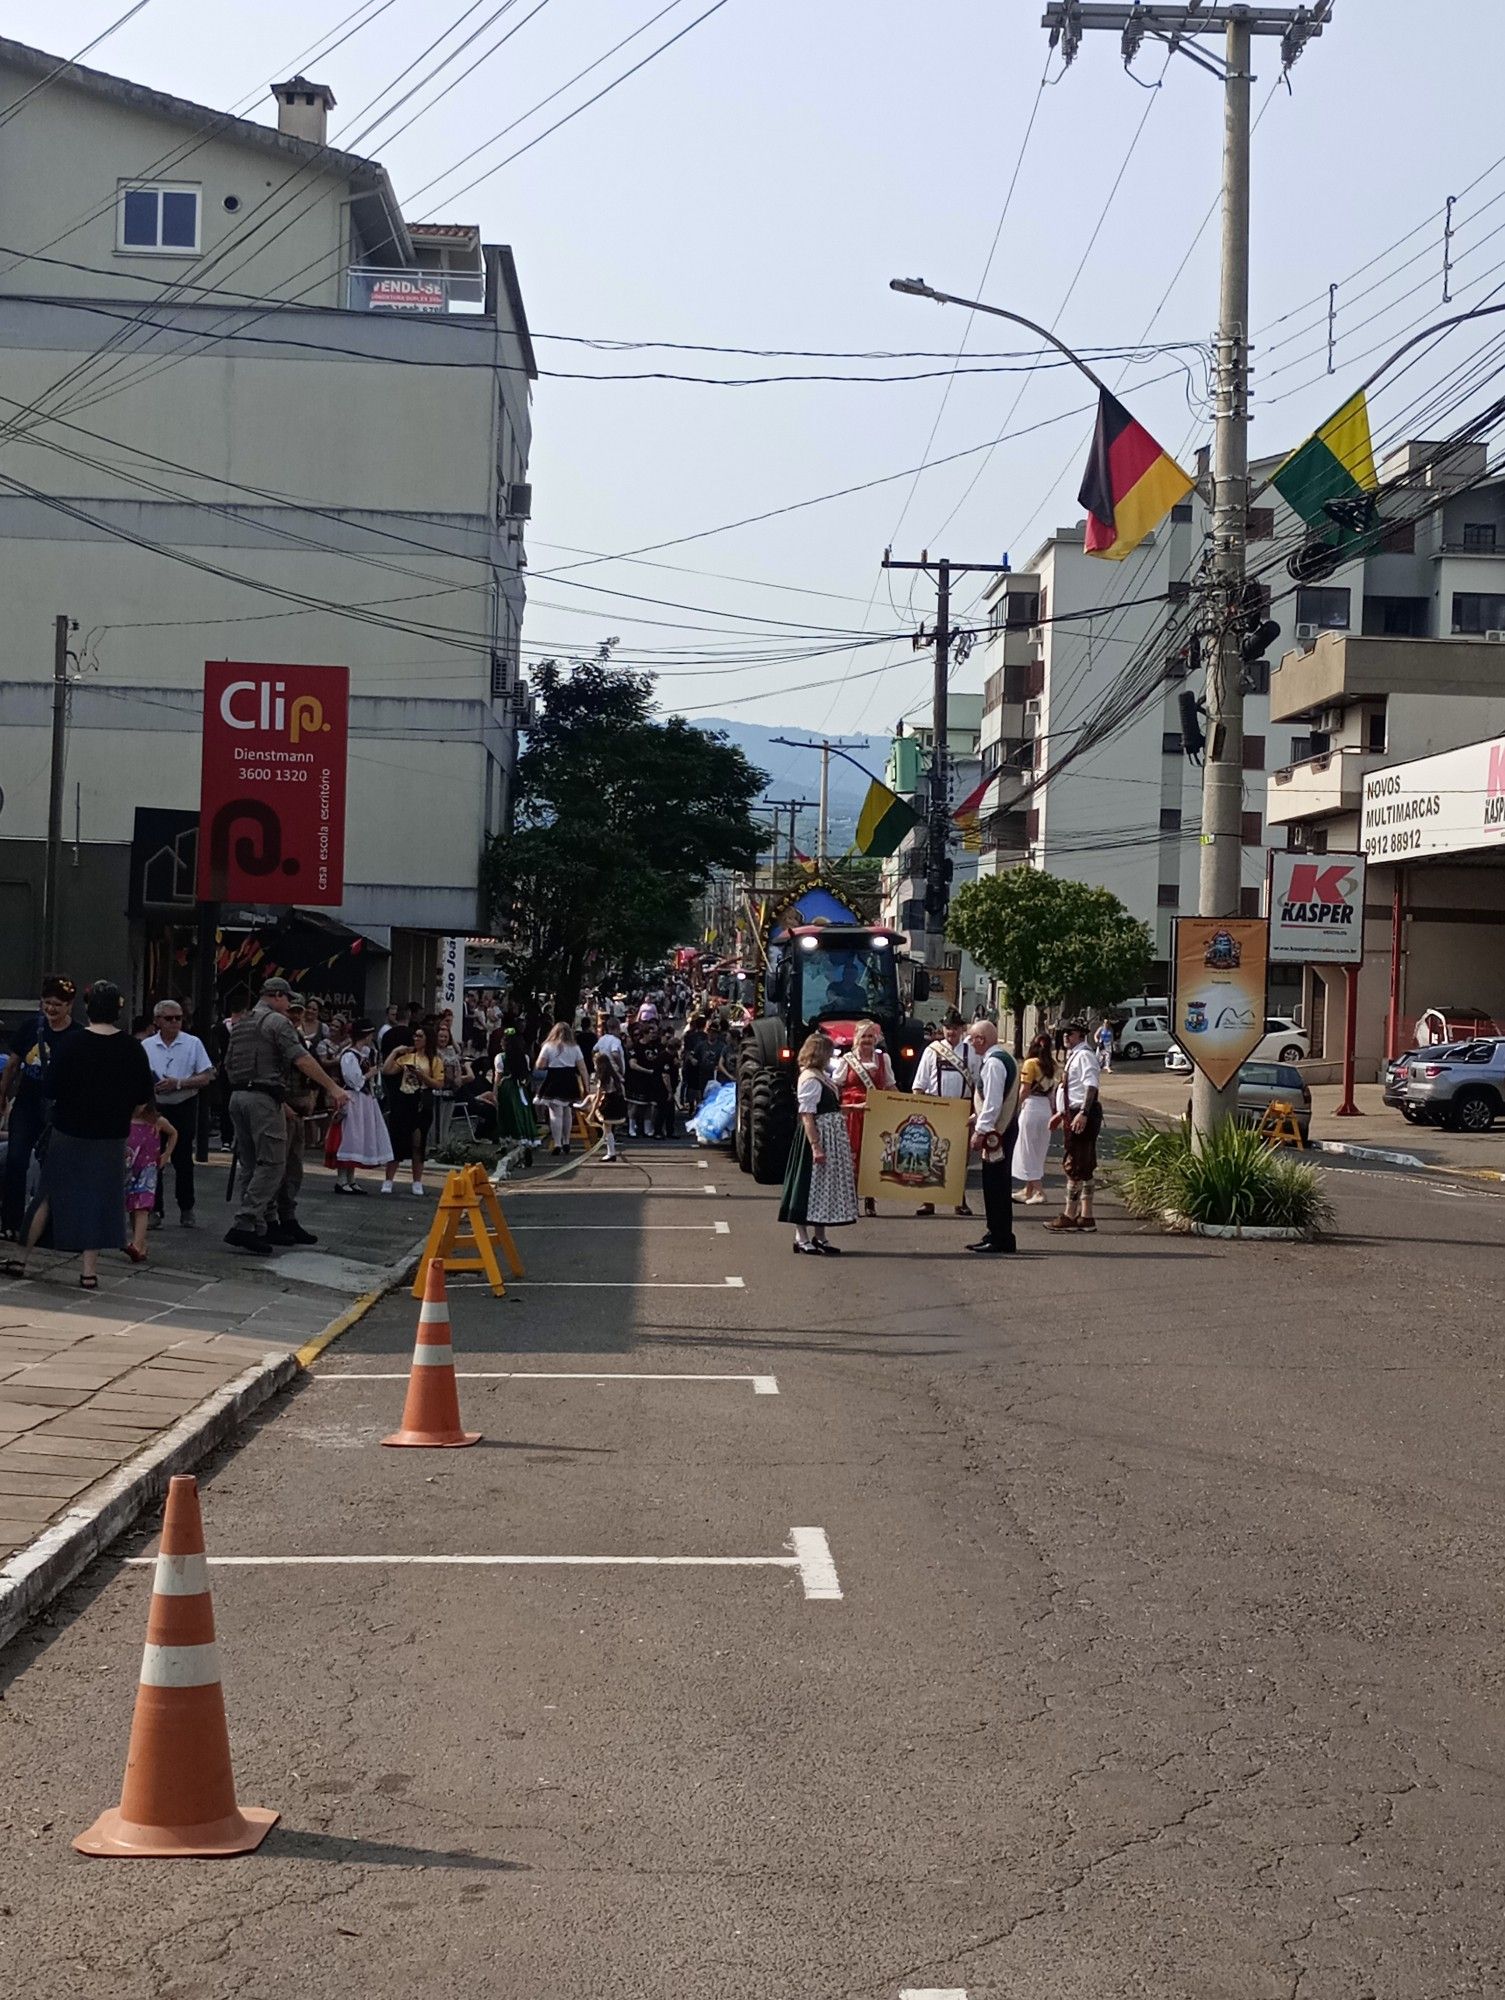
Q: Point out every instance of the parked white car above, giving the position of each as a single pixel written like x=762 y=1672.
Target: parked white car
x=1282 y=1041
x=1143 y=1035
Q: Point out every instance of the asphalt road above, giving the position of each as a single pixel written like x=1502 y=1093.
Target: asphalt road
x=1166 y=1661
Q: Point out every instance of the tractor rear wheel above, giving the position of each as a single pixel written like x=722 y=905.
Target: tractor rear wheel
x=770 y=1126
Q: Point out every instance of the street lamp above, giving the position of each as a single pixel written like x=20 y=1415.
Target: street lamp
x=917 y=288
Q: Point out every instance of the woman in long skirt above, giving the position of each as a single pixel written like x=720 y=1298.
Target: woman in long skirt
x=1037 y=1076
x=362 y=1137
x=820 y=1190
x=863 y=1068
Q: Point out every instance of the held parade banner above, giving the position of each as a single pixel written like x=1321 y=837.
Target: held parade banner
x=914 y=1148
x=1218 y=998
x=272 y=784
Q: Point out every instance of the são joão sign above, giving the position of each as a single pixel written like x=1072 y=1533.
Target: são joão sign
x=1316 y=909
x=272 y=787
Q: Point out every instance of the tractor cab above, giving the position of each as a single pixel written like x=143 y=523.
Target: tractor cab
x=825 y=974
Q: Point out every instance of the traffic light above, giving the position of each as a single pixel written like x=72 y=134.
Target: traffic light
x=1257 y=630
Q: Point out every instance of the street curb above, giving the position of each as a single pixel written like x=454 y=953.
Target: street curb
x=1348 y=1152
x=36 y=1574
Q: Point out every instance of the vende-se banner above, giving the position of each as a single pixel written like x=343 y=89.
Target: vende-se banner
x=272 y=785
x=1316 y=909
x=1218 y=995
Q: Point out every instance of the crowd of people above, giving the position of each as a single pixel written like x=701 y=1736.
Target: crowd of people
x=1014 y=1107
x=99 y=1120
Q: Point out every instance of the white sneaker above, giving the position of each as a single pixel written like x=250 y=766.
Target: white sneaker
x=386 y=1187
x=418 y=1187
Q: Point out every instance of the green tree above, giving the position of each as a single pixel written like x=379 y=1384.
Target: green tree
x=1050 y=942
x=619 y=820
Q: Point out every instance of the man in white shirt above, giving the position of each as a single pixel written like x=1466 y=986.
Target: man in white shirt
x=1079 y=1114
x=609 y=1044
x=995 y=1125
x=182 y=1067
x=948 y=1068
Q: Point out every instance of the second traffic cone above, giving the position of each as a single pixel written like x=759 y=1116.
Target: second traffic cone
x=431 y=1414
x=179 y=1792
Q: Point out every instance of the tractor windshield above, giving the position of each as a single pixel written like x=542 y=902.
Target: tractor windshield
x=844 y=981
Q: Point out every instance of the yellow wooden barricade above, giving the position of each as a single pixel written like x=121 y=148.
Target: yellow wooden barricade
x=1279 y=1126
x=496 y=1223
x=467 y=1228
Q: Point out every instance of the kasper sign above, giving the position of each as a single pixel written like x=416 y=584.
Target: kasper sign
x=272 y=791
x=1316 y=909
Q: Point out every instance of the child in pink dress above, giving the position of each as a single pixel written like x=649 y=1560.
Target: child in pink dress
x=147 y=1151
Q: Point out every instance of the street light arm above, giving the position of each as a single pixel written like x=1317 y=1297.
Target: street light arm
x=917 y=288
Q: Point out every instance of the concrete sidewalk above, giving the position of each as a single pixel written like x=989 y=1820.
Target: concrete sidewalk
x=92 y=1382
x=1147 y=1087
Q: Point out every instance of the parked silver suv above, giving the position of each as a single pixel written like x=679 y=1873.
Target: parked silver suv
x=1461 y=1085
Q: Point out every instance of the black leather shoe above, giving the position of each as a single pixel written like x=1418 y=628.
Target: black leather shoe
x=983 y=1243
x=288 y=1234
x=986 y=1249
x=827 y=1249
x=247 y=1239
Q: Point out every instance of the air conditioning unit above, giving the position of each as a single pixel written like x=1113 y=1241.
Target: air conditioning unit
x=1306 y=635
x=1497 y=637
x=519 y=501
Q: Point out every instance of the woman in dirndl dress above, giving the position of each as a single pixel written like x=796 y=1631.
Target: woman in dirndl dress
x=820 y=1190
x=864 y=1067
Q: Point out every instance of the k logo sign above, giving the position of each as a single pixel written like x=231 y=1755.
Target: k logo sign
x=1317 y=909
x=272 y=793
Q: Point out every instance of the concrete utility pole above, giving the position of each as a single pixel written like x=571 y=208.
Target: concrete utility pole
x=937 y=862
x=1222 y=585
x=825 y=745
x=778 y=807
x=62 y=625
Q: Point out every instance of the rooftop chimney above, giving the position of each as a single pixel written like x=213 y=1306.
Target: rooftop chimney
x=303 y=109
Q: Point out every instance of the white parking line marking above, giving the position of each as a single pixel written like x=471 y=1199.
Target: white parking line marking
x=617 y=1188
x=763 y=1385
x=812 y=1552
x=629 y=1228
x=933 y=1993
x=812 y=1559
x=630 y=1284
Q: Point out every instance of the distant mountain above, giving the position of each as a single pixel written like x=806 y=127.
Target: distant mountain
x=795 y=774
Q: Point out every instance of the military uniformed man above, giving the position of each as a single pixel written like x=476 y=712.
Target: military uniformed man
x=262 y=1059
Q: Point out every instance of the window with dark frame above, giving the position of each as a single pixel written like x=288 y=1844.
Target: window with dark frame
x=1374 y=731
x=1170 y=819
x=1254 y=753
x=1260 y=526
x=1170 y=743
x=1480 y=536
x=1251 y=829
x=1168 y=896
x=1476 y=611
x=1248 y=902
x=1323 y=605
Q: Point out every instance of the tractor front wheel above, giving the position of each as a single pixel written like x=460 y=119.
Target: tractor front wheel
x=770 y=1126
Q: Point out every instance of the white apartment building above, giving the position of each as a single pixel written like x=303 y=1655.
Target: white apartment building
x=962 y=982
x=251 y=411
x=1401 y=656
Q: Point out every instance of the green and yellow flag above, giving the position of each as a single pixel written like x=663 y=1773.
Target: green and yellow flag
x=883 y=822
x=1335 y=464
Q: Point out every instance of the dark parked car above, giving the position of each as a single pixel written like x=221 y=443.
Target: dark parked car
x=1261 y=1084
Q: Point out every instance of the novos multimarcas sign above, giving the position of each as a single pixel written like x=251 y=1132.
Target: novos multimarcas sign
x=1218 y=995
x=1316 y=909
x=272 y=786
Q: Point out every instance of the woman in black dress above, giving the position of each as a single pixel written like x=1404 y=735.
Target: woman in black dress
x=97 y=1080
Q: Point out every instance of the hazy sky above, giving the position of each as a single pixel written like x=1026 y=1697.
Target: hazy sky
x=759 y=184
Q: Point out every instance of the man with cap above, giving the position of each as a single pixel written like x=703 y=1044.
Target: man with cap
x=995 y=1125
x=948 y=1068
x=262 y=1058
x=1079 y=1115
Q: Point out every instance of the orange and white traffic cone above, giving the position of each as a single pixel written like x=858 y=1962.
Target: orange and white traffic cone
x=431 y=1414
x=179 y=1792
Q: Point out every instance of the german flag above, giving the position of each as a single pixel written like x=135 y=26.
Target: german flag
x=1130 y=484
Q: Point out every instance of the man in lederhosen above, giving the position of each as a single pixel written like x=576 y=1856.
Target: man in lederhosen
x=948 y=1068
x=1079 y=1115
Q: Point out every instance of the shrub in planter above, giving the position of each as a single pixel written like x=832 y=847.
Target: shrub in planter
x=1236 y=1179
x=467 y=1153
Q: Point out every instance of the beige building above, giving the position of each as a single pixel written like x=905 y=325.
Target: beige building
x=250 y=411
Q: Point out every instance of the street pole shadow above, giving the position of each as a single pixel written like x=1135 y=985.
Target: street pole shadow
x=292 y=1844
